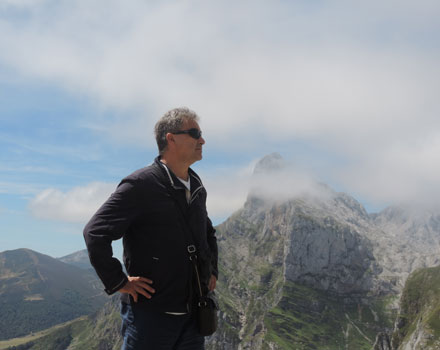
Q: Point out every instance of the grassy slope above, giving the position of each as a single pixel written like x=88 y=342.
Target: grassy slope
x=97 y=332
x=31 y=338
x=420 y=303
x=310 y=319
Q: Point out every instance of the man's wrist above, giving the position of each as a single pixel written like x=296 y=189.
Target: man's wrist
x=117 y=287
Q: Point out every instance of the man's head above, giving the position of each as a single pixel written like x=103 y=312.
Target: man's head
x=180 y=127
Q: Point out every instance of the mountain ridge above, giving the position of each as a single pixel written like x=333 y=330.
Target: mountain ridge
x=38 y=291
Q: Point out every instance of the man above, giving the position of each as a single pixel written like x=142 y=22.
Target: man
x=156 y=210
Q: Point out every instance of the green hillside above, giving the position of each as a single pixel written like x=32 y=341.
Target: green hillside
x=306 y=318
x=37 y=292
x=100 y=331
x=419 y=318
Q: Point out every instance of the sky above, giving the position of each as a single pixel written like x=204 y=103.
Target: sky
x=345 y=91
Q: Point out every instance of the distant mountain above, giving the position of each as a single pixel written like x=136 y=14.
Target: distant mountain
x=38 y=291
x=79 y=259
x=412 y=238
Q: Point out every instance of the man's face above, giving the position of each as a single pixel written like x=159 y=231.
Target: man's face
x=188 y=148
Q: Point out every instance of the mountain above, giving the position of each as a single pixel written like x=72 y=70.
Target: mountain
x=300 y=274
x=38 y=291
x=79 y=259
x=305 y=267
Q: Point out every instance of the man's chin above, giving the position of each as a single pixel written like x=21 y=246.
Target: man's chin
x=196 y=158
x=200 y=155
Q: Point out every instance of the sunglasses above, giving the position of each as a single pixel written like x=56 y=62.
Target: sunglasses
x=193 y=132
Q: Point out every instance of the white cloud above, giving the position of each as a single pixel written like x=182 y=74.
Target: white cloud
x=359 y=80
x=80 y=203
x=76 y=205
x=297 y=69
x=406 y=172
x=227 y=189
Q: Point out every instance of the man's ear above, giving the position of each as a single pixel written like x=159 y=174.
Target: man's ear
x=170 y=138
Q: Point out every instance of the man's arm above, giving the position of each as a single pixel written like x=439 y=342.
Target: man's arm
x=110 y=223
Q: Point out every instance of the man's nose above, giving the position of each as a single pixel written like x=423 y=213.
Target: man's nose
x=201 y=140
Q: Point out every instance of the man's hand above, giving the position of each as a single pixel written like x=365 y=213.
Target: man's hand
x=212 y=283
x=138 y=285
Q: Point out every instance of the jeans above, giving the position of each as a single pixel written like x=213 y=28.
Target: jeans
x=147 y=330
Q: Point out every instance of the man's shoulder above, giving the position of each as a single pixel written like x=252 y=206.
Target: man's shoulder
x=150 y=173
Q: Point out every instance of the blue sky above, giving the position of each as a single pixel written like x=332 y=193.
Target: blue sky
x=346 y=91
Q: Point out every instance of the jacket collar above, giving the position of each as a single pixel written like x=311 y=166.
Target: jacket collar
x=174 y=182
x=169 y=176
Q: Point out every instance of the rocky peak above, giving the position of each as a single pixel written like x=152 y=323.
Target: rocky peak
x=270 y=163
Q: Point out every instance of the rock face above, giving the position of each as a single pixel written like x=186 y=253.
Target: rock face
x=309 y=268
x=325 y=253
x=410 y=240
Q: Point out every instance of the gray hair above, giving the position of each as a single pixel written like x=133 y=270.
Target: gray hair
x=171 y=122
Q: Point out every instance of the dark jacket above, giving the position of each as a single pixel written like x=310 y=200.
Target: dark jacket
x=149 y=210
